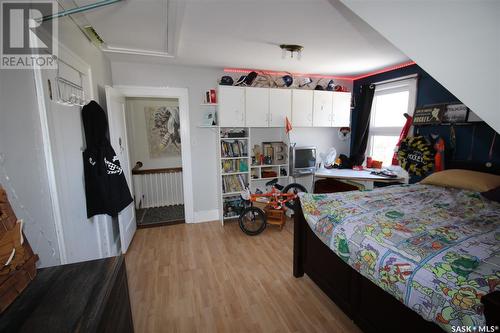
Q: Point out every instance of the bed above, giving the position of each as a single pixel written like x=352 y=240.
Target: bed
x=403 y=258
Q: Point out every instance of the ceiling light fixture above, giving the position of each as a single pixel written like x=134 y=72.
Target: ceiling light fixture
x=292 y=49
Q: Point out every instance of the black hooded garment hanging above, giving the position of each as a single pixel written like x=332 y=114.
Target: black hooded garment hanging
x=106 y=187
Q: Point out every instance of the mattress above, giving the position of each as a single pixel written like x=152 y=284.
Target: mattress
x=435 y=249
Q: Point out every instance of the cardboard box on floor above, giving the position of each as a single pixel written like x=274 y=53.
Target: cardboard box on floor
x=17 y=260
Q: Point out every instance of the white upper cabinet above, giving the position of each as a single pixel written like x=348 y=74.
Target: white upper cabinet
x=268 y=107
x=231 y=106
x=341 y=109
x=257 y=107
x=280 y=106
x=302 y=108
x=322 y=108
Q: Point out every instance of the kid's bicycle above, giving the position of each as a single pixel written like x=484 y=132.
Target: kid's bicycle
x=253 y=220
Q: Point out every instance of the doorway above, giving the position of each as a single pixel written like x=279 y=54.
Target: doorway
x=155 y=146
x=157 y=122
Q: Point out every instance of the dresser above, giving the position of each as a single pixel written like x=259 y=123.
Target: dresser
x=89 y=296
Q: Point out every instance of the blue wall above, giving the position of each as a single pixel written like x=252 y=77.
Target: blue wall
x=469 y=138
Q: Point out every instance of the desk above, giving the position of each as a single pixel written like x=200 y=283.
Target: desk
x=363 y=176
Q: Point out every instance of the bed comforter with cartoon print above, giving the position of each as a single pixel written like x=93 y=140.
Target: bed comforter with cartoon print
x=435 y=249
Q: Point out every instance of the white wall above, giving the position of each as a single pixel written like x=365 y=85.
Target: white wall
x=22 y=159
x=198 y=80
x=22 y=163
x=138 y=133
x=457 y=42
x=323 y=138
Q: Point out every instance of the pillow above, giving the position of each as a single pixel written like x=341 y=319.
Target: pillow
x=464 y=179
x=493 y=194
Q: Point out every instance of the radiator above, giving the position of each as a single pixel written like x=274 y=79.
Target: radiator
x=158 y=189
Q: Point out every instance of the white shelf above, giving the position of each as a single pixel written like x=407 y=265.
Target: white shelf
x=208 y=126
x=233 y=217
x=244 y=138
x=228 y=194
x=209 y=104
x=234 y=173
x=269 y=178
x=234 y=158
x=268 y=165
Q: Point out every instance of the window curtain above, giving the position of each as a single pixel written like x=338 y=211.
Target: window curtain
x=362 y=126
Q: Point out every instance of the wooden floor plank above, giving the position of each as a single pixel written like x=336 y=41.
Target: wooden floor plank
x=208 y=278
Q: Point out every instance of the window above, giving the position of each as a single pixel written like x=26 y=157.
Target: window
x=390 y=102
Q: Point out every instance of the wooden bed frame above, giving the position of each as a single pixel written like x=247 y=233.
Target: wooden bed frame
x=368 y=305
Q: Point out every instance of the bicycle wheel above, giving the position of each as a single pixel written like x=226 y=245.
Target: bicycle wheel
x=293 y=188
x=252 y=221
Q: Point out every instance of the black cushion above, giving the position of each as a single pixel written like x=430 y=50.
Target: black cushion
x=493 y=194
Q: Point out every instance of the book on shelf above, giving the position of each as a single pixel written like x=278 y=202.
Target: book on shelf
x=213 y=96
x=233 y=183
x=229 y=166
x=210 y=97
x=233 y=148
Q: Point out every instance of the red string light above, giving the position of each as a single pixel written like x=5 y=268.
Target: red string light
x=318 y=76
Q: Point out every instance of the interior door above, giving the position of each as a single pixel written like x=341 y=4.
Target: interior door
x=81 y=237
x=231 y=106
x=322 y=109
x=118 y=138
x=280 y=106
x=302 y=108
x=257 y=107
x=341 y=109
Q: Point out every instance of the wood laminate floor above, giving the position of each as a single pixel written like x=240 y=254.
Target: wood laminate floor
x=208 y=278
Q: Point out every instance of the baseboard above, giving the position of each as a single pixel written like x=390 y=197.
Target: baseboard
x=206 y=216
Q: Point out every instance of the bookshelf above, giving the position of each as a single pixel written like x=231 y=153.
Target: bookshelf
x=235 y=168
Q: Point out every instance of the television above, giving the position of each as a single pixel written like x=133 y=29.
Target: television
x=302 y=160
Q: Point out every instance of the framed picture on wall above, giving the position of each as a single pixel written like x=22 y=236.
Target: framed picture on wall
x=455 y=113
x=209 y=118
x=163 y=129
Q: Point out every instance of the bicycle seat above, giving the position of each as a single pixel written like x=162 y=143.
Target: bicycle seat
x=272 y=182
x=275 y=184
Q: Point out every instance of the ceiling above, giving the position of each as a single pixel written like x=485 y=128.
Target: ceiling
x=242 y=34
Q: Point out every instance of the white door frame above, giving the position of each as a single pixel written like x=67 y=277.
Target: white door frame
x=182 y=95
